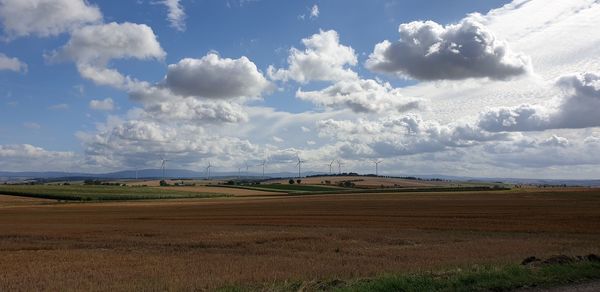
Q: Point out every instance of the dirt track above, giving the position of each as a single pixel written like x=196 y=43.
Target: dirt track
x=207 y=243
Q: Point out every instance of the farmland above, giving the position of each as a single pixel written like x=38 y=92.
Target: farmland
x=268 y=241
x=100 y=193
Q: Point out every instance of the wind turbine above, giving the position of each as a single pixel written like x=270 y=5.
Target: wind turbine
x=163 y=166
x=299 y=164
x=330 y=166
x=247 y=166
x=263 y=167
x=339 y=163
x=377 y=166
x=208 y=167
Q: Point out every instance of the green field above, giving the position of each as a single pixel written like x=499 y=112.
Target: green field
x=476 y=278
x=99 y=193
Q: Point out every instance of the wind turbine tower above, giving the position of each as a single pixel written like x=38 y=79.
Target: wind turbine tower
x=263 y=167
x=330 y=166
x=377 y=166
x=299 y=164
x=208 y=167
x=163 y=167
x=339 y=163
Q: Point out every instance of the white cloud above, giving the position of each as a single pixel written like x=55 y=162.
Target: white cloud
x=93 y=46
x=323 y=59
x=576 y=109
x=192 y=110
x=277 y=139
x=556 y=141
x=45 y=17
x=103 y=76
x=429 y=51
x=12 y=64
x=216 y=77
x=97 y=44
x=176 y=15
x=314 y=11
x=142 y=143
x=106 y=104
x=32 y=125
x=406 y=135
x=26 y=157
x=361 y=96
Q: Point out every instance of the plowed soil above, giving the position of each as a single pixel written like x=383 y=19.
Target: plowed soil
x=207 y=243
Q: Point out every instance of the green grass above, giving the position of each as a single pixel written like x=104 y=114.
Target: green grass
x=98 y=193
x=478 y=278
x=487 y=278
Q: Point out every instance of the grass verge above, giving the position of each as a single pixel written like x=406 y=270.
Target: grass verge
x=99 y=193
x=478 y=278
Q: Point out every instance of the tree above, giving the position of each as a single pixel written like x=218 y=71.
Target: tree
x=298 y=181
x=291 y=181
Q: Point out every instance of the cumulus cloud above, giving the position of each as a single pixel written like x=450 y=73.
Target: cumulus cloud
x=556 y=141
x=97 y=44
x=323 y=59
x=106 y=104
x=93 y=46
x=429 y=51
x=45 y=17
x=407 y=135
x=142 y=143
x=361 y=96
x=176 y=15
x=216 y=77
x=576 y=109
x=23 y=157
x=195 y=111
x=314 y=11
x=12 y=64
x=550 y=152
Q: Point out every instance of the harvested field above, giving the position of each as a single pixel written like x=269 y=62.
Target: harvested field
x=10 y=201
x=208 y=243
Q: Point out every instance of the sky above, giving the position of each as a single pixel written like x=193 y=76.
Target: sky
x=464 y=88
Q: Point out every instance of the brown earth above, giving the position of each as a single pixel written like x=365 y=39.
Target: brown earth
x=12 y=201
x=207 y=243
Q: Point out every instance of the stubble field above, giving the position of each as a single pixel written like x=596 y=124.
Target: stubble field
x=197 y=244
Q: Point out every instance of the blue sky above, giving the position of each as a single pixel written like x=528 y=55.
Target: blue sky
x=442 y=94
x=260 y=30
